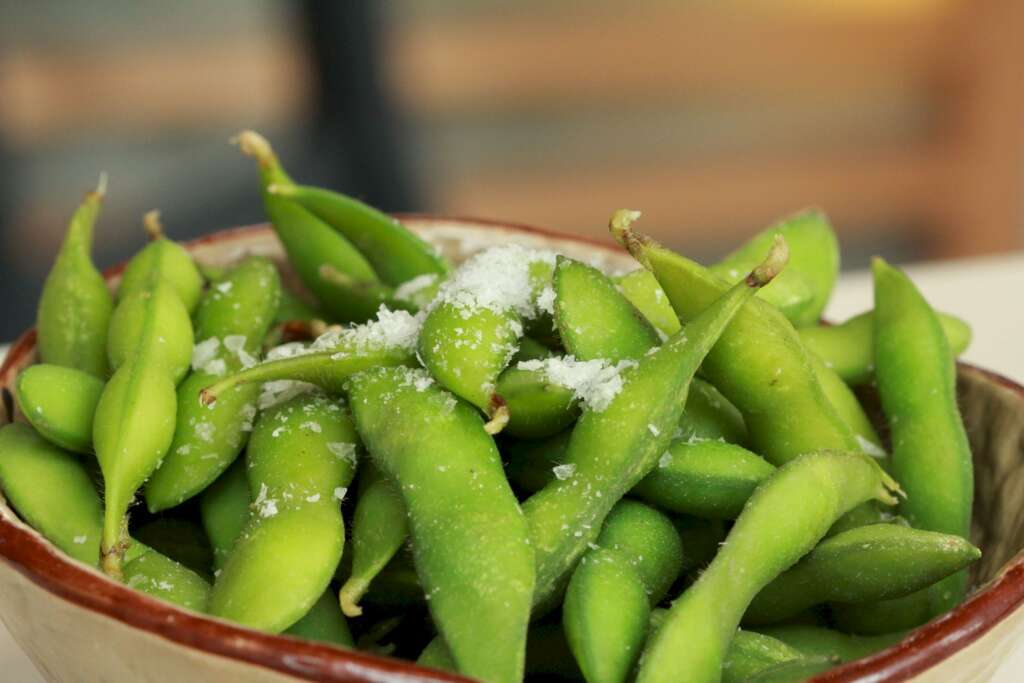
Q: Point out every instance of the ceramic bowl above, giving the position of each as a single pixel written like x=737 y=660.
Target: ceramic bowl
x=76 y=625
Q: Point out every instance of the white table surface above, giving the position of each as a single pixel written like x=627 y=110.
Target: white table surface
x=985 y=292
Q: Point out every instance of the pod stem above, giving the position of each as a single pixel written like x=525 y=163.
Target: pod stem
x=499 y=415
x=350 y=594
x=774 y=262
x=621 y=227
x=281 y=190
x=151 y=223
x=115 y=544
x=255 y=145
x=100 y=192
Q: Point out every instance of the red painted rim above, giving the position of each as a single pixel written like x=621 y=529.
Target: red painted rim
x=45 y=566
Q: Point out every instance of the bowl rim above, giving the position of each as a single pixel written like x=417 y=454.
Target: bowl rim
x=43 y=564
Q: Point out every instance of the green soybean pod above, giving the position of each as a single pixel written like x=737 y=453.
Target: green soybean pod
x=52 y=491
x=60 y=403
x=848 y=407
x=341 y=278
x=153 y=322
x=292 y=308
x=182 y=540
x=537 y=407
x=931 y=454
x=594 y=319
x=607 y=604
x=170 y=258
x=759 y=364
x=396 y=253
x=751 y=653
x=803 y=290
x=324 y=622
x=233 y=317
x=869 y=563
x=613 y=446
x=224 y=510
x=75 y=306
x=693 y=641
x=794 y=671
x=301 y=459
x=379 y=529
x=709 y=415
x=816 y=641
x=847 y=347
x=884 y=616
x=165 y=579
x=476 y=566
x=643 y=291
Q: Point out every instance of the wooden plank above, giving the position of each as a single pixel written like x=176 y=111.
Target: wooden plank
x=570 y=58
x=720 y=200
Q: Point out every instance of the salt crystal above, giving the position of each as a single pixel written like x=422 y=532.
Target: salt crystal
x=79 y=540
x=265 y=506
x=339 y=493
x=204 y=352
x=595 y=382
x=563 y=472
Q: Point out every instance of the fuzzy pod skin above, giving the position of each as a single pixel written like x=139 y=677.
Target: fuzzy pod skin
x=379 y=529
x=235 y=313
x=609 y=452
x=696 y=634
x=176 y=267
x=395 y=253
x=537 y=407
x=324 y=623
x=802 y=291
x=643 y=291
x=594 y=319
x=771 y=380
x=607 y=604
x=75 y=306
x=931 y=455
x=882 y=617
x=224 y=510
x=153 y=321
x=301 y=459
x=848 y=407
x=52 y=491
x=816 y=641
x=60 y=402
x=442 y=460
x=847 y=347
x=161 y=577
x=794 y=671
x=314 y=247
x=866 y=564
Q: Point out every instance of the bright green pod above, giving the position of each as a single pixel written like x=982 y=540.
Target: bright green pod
x=341 y=278
x=75 y=306
x=870 y=563
x=60 y=403
x=794 y=671
x=931 y=458
x=815 y=641
x=531 y=349
x=52 y=491
x=709 y=415
x=396 y=254
x=292 y=308
x=379 y=529
x=476 y=566
x=848 y=407
x=181 y=540
x=828 y=484
x=153 y=322
x=537 y=407
x=161 y=577
x=847 y=347
x=324 y=623
x=230 y=324
x=171 y=259
x=643 y=291
x=224 y=510
x=594 y=319
x=882 y=617
x=803 y=290
x=301 y=459
x=607 y=604
x=612 y=448
x=759 y=364
x=751 y=653
x=472 y=329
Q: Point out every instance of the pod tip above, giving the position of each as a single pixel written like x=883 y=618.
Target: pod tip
x=101 y=186
x=207 y=396
x=621 y=227
x=151 y=222
x=255 y=145
x=349 y=606
x=499 y=415
x=774 y=262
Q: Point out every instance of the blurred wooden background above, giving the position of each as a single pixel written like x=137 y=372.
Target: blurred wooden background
x=904 y=119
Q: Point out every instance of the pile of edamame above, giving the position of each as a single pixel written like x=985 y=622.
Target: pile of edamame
x=517 y=467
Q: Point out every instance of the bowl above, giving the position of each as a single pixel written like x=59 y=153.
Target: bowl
x=77 y=625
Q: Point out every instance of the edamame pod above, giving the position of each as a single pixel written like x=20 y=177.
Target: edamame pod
x=161 y=577
x=476 y=566
x=537 y=407
x=877 y=562
x=696 y=634
x=379 y=529
x=396 y=254
x=751 y=653
x=233 y=317
x=473 y=327
x=931 y=455
x=338 y=275
x=815 y=641
x=608 y=601
x=643 y=291
x=803 y=290
x=224 y=509
x=75 y=306
x=60 y=403
x=52 y=491
x=709 y=415
x=292 y=308
x=301 y=458
x=759 y=364
x=794 y=671
x=324 y=622
x=140 y=321
x=170 y=258
x=615 y=445
x=848 y=407
x=181 y=540
x=847 y=347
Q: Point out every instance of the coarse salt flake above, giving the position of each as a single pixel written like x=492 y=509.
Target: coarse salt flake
x=563 y=472
x=595 y=382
